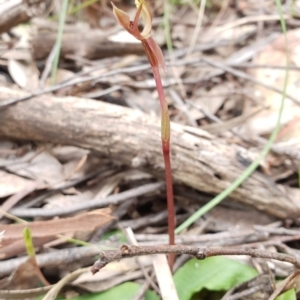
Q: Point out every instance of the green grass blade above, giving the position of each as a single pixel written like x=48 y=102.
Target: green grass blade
x=215 y=201
x=81 y=6
x=62 y=20
x=167 y=29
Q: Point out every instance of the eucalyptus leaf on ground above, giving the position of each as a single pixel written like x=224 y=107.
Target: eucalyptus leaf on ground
x=213 y=273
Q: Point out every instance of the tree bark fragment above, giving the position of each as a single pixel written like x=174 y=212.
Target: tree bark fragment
x=199 y=160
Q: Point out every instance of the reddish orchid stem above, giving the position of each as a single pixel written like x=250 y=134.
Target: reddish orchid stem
x=156 y=59
x=166 y=153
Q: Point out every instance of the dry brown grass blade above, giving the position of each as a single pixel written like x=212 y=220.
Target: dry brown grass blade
x=21 y=294
x=164 y=277
x=51 y=295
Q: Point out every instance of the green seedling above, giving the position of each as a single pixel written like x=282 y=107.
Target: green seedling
x=31 y=253
x=156 y=60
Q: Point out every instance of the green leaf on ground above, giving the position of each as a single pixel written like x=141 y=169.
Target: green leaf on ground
x=288 y=295
x=213 y=273
x=124 y=291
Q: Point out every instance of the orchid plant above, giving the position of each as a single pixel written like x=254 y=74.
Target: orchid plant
x=156 y=60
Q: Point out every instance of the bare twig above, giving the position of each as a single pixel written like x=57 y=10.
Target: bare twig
x=277 y=231
x=253 y=19
x=131 y=238
x=48 y=66
x=262 y=66
x=200 y=253
x=243 y=75
x=197 y=27
x=216 y=239
x=151 y=219
x=71 y=83
x=53 y=258
x=182 y=106
x=245 y=293
x=95 y=203
x=141 y=292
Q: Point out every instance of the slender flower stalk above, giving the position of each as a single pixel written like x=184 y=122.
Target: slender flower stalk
x=156 y=60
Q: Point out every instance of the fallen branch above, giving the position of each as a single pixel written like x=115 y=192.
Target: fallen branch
x=200 y=253
x=200 y=160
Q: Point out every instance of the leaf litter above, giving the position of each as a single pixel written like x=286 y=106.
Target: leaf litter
x=244 y=37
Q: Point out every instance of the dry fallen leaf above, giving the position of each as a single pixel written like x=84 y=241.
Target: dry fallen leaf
x=41 y=229
x=68 y=153
x=275 y=54
x=42 y=166
x=25 y=74
x=11 y=184
x=24 y=277
x=290 y=132
x=210 y=101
